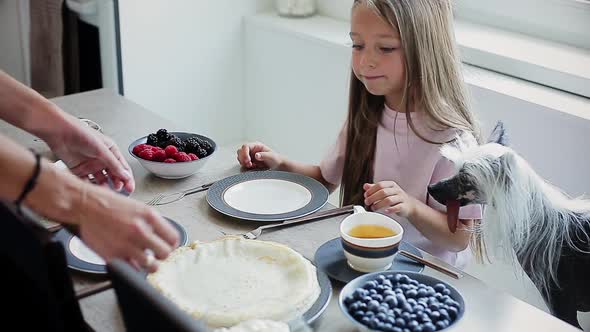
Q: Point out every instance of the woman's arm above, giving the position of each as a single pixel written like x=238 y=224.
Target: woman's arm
x=112 y=225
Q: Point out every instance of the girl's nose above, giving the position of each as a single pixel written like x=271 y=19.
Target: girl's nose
x=368 y=60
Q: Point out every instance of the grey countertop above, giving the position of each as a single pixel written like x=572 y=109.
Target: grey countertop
x=487 y=309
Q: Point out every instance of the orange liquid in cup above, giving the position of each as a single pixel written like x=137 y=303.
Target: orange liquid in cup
x=371 y=231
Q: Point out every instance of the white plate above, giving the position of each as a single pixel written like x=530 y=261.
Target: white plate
x=267 y=196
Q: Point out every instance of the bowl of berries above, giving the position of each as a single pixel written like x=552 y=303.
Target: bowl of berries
x=172 y=155
x=401 y=301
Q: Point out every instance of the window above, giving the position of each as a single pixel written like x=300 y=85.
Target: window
x=562 y=21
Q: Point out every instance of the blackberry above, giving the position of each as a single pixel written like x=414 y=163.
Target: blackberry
x=207 y=146
x=152 y=140
x=163 y=135
x=192 y=145
x=201 y=153
x=177 y=142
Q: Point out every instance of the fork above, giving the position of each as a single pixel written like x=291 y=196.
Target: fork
x=252 y=235
x=171 y=198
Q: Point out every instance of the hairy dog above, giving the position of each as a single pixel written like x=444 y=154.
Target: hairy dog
x=543 y=228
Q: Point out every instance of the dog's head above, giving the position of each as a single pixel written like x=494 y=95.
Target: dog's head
x=478 y=167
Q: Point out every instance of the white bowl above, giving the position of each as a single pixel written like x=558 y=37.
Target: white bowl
x=177 y=170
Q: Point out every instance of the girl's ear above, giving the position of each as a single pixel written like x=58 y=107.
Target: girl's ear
x=498 y=135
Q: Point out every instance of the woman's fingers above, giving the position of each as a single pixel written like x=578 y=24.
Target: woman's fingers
x=163 y=229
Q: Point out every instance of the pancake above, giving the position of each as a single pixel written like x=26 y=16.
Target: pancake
x=233 y=280
x=257 y=326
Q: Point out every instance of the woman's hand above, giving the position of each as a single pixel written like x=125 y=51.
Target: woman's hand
x=119 y=227
x=86 y=151
x=389 y=196
x=258 y=155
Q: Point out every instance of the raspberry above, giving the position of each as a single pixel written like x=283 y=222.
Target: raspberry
x=182 y=157
x=156 y=149
x=169 y=161
x=146 y=154
x=193 y=156
x=171 y=150
x=160 y=155
x=138 y=148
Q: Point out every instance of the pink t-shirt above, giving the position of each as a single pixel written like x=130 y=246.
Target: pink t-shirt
x=405 y=158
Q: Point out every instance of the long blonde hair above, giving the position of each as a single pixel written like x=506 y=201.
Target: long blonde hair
x=433 y=82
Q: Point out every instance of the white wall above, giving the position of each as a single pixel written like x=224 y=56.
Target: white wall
x=184 y=60
x=296 y=100
x=14 y=48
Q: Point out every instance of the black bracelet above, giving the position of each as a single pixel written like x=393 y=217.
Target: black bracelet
x=30 y=183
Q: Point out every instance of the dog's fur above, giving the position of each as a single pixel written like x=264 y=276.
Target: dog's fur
x=547 y=230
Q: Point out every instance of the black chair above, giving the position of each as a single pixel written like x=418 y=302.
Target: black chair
x=34 y=281
x=143 y=307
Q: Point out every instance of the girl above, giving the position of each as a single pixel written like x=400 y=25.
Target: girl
x=406 y=98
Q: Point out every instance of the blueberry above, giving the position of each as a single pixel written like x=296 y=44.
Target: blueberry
x=412 y=302
x=354 y=306
x=385 y=305
x=446 y=292
x=381 y=278
x=418 y=313
x=444 y=298
x=380 y=288
x=407 y=330
x=407 y=308
x=430 y=291
x=365 y=320
x=359 y=293
x=424 y=318
x=453 y=312
x=377 y=297
x=369 y=314
x=427 y=311
x=387 y=327
x=362 y=305
x=413 y=316
x=367 y=299
x=421 y=285
x=396 y=329
x=349 y=299
x=438 y=296
x=406 y=316
x=391 y=301
x=417 y=329
x=422 y=292
x=374 y=322
x=401 y=299
x=370 y=284
x=432 y=300
x=397 y=311
x=412 y=324
x=441 y=325
x=397 y=277
x=411 y=293
x=435 y=316
x=414 y=282
x=434 y=307
x=404 y=279
x=358 y=315
x=439 y=287
x=381 y=316
x=404 y=287
x=444 y=314
x=382 y=309
x=450 y=303
x=400 y=322
x=372 y=291
x=418 y=307
x=373 y=305
x=388 y=292
x=387 y=284
x=428 y=327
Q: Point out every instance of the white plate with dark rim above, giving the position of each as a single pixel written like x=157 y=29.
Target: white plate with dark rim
x=81 y=258
x=267 y=196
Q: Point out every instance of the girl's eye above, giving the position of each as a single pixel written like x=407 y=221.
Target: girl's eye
x=357 y=47
x=387 y=49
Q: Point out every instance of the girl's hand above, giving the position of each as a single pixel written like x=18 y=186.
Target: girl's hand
x=86 y=151
x=389 y=196
x=258 y=155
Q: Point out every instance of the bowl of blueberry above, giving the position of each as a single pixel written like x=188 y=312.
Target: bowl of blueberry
x=401 y=302
x=172 y=155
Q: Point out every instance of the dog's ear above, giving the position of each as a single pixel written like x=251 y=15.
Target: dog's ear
x=498 y=135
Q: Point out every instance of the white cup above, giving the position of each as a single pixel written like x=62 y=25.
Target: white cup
x=370 y=254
